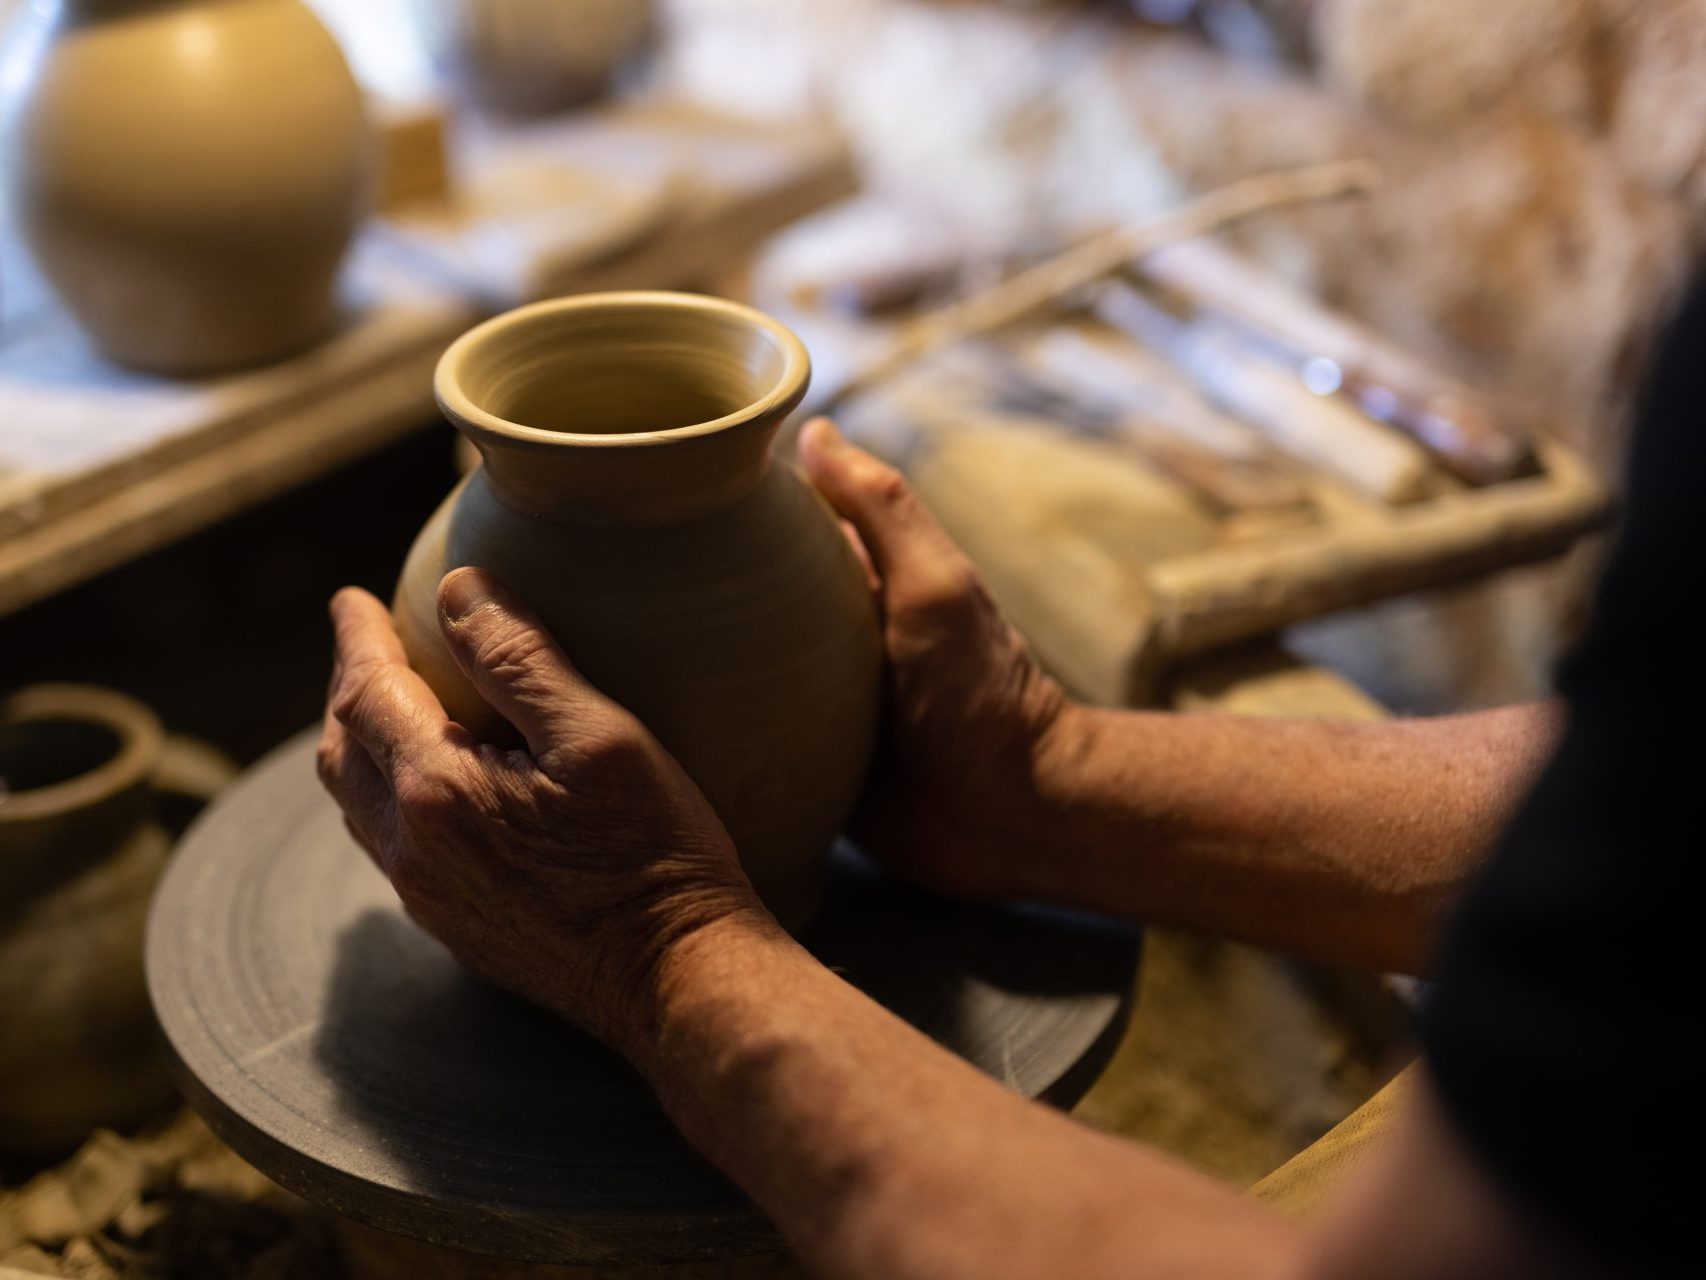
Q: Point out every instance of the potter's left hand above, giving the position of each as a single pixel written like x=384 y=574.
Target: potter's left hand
x=565 y=872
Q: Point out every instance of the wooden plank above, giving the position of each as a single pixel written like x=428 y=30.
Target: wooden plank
x=741 y=182
x=1096 y=566
x=169 y=501
x=1233 y=593
x=77 y=428
x=647 y=194
x=98 y=465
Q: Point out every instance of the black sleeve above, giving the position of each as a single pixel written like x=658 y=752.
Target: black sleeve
x=1563 y=1031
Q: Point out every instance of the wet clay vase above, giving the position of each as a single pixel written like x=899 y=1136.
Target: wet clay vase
x=524 y=58
x=186 y=173
x=628 y=493
x=81 y=846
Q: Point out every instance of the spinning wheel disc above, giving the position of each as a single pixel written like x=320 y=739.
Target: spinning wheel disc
x=346 y=1055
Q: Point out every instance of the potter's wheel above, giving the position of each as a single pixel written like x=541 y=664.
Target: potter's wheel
x=345 y=1054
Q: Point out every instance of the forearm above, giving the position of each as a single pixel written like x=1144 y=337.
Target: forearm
x=879 y=1154
x=1345 y=841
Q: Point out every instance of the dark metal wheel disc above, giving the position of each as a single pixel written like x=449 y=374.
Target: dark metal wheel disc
x=346 y=1055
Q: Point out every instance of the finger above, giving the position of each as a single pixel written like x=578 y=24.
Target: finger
x=384 y=705
x=912 y=553
x=514 y=662
x=354 y=781
x=362 y=626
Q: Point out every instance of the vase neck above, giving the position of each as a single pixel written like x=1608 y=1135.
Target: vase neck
x=623 y=408
x=614 y=485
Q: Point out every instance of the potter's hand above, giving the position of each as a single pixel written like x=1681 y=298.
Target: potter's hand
x=973 y=726
x=565 y=872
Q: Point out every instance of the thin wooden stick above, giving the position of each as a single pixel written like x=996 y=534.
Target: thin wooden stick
x=1038 y=287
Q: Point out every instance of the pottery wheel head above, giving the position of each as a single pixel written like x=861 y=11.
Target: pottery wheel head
x=344 y=1053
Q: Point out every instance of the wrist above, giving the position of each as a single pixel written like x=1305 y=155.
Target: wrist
x=1060 y=755
x=1071 y=805
x=712 y=938
x=1061 y=748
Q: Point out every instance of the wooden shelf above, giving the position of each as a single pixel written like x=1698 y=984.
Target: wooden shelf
x=99 y=465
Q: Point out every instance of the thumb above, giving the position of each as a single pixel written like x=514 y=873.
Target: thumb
x=908 y=548
x=513 y=661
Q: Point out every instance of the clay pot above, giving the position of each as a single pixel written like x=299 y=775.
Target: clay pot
x=533 y=57
x=628 y=493
x=80 y=851
x=187 y=173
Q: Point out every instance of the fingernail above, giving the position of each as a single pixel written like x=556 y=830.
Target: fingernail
x=461 y=593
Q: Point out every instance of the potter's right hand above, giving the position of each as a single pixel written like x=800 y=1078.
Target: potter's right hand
x=566 y=872
x=974 y=730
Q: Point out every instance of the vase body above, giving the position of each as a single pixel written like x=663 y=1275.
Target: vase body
x=533 y=57
x=187 y=174
x=80 y=851
x=627 y=493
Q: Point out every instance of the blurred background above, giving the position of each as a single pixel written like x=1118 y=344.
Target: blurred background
x=1350 y=456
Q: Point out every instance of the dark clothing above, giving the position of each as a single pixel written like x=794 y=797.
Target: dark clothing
x=1563 y=1031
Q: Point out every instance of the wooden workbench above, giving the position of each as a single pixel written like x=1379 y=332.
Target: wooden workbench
x=99 y=465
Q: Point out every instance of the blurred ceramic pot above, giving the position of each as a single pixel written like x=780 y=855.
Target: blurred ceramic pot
x=81 y=847
x=188 y=174
x=628 y=493
x=533 y=57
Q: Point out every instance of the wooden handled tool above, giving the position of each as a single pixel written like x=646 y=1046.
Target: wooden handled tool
x=1091 y=260
x=1326 y=432
x=1151 y=406
x=1457 y=426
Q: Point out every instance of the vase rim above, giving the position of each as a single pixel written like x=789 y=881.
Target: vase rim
x=786 y=392
x=135 y=728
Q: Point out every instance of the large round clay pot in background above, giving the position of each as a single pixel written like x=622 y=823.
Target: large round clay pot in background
x=533 y=57
x=628 y=493
x=188 y=174
x=81 y=847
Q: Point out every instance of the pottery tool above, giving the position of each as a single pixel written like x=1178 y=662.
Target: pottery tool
x=345 y=1054
x=1323 y=431
x=1038 y=287
x=1455 y=426
x=1458 y=426
x=1209 y=478
x=1134 y=396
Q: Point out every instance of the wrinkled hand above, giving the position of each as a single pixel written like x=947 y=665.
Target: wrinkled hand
x=973 y=728
x=564 y=872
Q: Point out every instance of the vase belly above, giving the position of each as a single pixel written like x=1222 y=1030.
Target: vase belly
x=746 y=640
x=189 y=176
